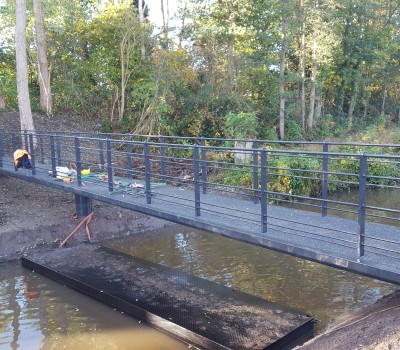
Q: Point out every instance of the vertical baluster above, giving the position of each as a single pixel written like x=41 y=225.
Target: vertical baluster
x=78 y=160
x=129 y=155
x=255 y=172
x=362 y=196
x=26 y=141
x=2 y=153
x=101 y=150
x=32 y=154
x=53 y=156
x=203 y=165
x=58 y=145
x=41 y=148
x=162 y=159
x=196 y=169
x=147 y=172
x=109 y=167
x=325 y=162
x=264 y=191
x=14 y=141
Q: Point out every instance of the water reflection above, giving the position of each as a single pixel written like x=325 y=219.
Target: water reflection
x=37 y=313
x=328 y=294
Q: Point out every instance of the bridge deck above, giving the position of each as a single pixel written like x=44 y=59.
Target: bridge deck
x=329 y=240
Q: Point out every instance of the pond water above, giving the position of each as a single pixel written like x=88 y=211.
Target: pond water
x=326 y=293
x=37 y=313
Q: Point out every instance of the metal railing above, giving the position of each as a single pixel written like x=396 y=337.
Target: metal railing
x=268 y=172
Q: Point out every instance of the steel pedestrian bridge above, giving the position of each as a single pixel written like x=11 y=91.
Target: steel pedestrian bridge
x=252 y=191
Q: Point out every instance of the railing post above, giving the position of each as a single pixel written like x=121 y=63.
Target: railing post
x=26 y=141
x=14 y=141
x=32 y=153
x=78 y=161
x=2 y=151
x=41 y=148
x=203 y=165
x=325 y=162
x=362 y=196
x=196 y=170
x=58 y=143
x=53 y=156
x=101 y=149
x=162 y=159
x=129 y=155
x=147 y=168
x=109 y=168
x=264 y=191
x=255 y=172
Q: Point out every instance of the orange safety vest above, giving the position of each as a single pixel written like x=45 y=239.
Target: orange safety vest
x=19 y=153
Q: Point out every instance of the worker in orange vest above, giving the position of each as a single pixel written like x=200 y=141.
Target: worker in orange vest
x=22 y=159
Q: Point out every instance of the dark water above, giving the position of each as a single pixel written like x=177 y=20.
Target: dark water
x=326 y=293
x=37 y=313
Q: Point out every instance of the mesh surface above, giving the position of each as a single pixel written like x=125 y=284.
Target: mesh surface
x=210 y=315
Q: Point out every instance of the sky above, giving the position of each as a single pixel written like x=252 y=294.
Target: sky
x=155 y=14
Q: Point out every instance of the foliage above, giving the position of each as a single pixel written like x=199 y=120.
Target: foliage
x=242 y=125
x=223 y=61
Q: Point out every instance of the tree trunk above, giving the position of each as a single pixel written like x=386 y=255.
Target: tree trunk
x=46 y=100
x=312 y=96
x=282 y=82
x=2 y=100
x=142 y=34
x=165 y=16
x=318 y=98
x=302 y=66
x=384 y=99
x=22 y=68
x=352 y=106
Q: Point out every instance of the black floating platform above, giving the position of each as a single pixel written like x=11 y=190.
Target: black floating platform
x=192 y=309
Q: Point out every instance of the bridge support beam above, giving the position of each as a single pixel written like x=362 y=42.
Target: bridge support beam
x=83 y=205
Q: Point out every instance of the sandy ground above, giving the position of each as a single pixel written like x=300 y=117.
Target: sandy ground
x=36 y=217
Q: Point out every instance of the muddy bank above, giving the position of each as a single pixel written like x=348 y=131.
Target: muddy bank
x=377 y=327
x=34 y=216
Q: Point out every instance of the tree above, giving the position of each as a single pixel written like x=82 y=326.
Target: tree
x=46 y=99
x=22 y=68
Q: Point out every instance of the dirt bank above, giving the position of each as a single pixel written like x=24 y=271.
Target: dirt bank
x=33 y=216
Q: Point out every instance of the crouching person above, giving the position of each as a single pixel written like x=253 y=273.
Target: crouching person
x=22 y=159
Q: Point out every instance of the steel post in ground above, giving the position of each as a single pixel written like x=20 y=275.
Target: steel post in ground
x=162 y=158
x=53 y=156
x=196 y=169
x=203 y=165
x=101 y=149
x=129 y=155
x=83 y=205
x=255 y=172
x=32 y=154
x=109 y=167
x=147 y=172
x=362 y=197
x=325 y=162
x=78 y=161
x=264 y=191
